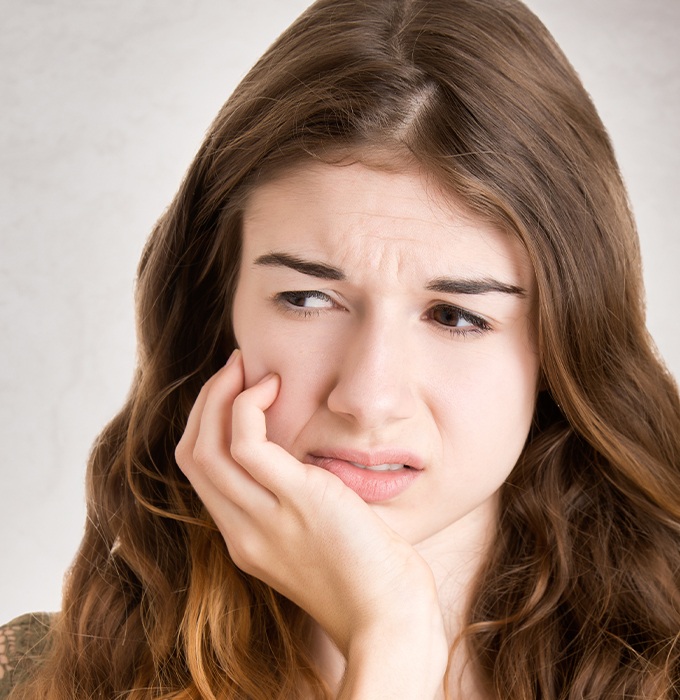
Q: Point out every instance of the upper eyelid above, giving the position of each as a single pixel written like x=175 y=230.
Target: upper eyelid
x=316 y=293
x=319 y=293
x=458 y=307
x=284 y=297
x=475 y=318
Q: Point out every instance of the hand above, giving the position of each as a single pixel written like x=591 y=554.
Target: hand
x=299 y=528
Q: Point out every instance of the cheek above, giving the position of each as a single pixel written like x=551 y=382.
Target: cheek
x=264 y=348
x=302 y=394
x=486 y=412
x=304 y=365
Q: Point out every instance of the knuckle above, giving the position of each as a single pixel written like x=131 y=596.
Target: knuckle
x=240 y=400
x=240 y=450
x=203 y=456
x=238 y=405
x=182 y=454
x=246 y=553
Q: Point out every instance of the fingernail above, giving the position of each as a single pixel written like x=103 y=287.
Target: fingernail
x=232 y=357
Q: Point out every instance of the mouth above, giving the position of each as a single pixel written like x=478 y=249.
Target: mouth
x=374 y=476
x=381 y=467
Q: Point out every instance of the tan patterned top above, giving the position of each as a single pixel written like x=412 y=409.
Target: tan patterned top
x=23 y=643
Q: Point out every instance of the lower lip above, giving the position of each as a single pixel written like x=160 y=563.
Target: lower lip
x=371 y=486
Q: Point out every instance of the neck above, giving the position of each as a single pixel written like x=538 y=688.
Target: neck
x=455 y=556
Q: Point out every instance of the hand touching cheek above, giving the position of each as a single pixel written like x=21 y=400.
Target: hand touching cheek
x=298 y=527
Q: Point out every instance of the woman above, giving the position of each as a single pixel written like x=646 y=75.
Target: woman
x=442 y=457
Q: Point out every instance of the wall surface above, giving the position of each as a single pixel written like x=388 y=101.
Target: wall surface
x=104 y=105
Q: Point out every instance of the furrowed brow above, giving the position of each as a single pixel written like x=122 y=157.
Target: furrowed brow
x=446 y=285
x=306 y=267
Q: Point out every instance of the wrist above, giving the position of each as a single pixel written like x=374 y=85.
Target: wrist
x=404 y=657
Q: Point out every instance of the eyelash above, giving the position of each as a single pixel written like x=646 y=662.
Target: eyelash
x=286 y=300
x=478 y=324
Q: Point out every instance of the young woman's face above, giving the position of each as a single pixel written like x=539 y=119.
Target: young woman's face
x=401 y=327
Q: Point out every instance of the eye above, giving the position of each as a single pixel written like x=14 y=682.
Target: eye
x=306 y=302
x=456 y=320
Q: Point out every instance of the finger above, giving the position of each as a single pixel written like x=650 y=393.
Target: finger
x=221 y=483
x=236 y=525
x=267 y=462
x=185 y=447
x=224 y=512
x=211 y=451
x=215 y=419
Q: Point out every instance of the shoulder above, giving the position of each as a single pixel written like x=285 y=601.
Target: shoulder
x=23 y=643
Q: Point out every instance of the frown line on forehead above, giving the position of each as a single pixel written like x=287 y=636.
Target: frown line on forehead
x=444 y=285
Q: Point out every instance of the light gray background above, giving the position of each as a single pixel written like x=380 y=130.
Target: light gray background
x=104 y=103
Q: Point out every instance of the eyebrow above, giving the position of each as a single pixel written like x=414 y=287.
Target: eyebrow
x=447 y=285
x=443 y=285
x=307 y=267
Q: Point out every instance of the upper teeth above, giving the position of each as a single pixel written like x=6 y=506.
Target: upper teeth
x=379 y=467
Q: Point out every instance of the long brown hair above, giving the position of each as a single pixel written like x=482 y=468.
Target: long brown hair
x=580 y=596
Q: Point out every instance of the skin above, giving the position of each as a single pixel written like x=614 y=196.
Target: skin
x=368 y=351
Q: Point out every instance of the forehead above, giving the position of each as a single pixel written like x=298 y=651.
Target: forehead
x=354 y=190
x=377 y=219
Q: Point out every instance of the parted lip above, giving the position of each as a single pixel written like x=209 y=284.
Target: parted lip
x=369 y=458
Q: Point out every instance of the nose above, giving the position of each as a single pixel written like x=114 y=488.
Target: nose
x=375 y=381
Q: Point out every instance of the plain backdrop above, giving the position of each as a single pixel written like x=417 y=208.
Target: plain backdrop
x=104 y=103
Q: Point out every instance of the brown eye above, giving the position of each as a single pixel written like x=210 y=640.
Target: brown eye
x=449 y=316
x=453 y=317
